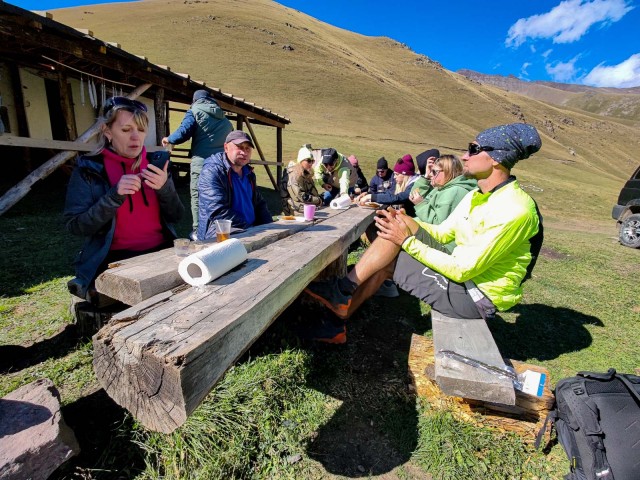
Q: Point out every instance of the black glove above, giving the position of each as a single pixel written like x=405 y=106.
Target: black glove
x=306 y=197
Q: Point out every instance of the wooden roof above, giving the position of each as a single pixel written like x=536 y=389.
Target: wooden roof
x=37 y=41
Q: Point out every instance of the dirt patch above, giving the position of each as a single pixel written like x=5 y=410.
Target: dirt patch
x=553 y=254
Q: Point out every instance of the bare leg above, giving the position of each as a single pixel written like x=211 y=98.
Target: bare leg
x=377 y=257
x=369 y=287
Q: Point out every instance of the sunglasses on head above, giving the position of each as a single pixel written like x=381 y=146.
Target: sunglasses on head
x=123 y=102
x=475 y=149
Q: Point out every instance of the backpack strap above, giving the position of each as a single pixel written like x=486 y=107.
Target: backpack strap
x=552 y=416
x=585 y=414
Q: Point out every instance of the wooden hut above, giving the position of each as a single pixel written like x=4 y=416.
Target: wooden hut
x=54 y=78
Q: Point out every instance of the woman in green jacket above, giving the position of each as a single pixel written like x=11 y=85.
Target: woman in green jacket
x=449 y=187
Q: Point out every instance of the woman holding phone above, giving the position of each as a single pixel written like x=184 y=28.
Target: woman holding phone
x=120 y=199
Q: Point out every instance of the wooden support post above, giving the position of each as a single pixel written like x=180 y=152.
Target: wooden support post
x=67 y=106
x=160 y=111
x=21 y=114
x=239 y=122
x=279 y=154
x=14 y=194
x=266 y=167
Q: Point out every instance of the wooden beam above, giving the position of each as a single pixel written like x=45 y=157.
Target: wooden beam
x=279 y=154
x=471 y=338
x=14 y=194
x=66 y=104
x=13 y=141
x=160 y=358
x=135 y=279
x=160 y=112
x=266 y=167
x=18 y=100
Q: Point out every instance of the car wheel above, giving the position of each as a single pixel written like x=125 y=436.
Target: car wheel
x=630 y=231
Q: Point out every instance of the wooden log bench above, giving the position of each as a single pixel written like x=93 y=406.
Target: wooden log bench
x=135 y=279
x=160 y=358
x=525 y=417
x=471 y=338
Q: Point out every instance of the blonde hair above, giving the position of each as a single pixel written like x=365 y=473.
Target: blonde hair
x=106 y=121
x=451 y=167
x=400 y=186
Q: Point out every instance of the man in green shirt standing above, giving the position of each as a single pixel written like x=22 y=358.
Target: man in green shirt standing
x=497 y=229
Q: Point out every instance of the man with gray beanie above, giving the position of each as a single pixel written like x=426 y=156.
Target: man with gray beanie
x=207 y=127
x=497 y=229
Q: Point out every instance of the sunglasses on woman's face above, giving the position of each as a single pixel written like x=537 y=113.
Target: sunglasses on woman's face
x=435 y=173
x=475 y=149
x=123 y=102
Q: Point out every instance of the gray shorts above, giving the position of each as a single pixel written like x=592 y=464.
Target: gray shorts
x=445 y=296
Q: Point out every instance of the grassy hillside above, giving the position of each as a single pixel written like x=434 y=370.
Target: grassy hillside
x=289 y=409
x=370 y=96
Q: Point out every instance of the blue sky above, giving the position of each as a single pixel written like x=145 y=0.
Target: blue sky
x=591 y=42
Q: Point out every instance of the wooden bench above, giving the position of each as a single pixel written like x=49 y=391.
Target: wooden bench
x=161 y=357
x=471 y=338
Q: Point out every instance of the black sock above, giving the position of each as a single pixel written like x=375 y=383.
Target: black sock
x=346 y=286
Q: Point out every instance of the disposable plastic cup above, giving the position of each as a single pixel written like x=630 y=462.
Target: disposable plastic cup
x=181 y=247
x=223 y=230
x=309 y=212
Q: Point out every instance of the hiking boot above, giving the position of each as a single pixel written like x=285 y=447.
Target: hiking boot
x=324 y=330
x=387 y=289
x=328 y=293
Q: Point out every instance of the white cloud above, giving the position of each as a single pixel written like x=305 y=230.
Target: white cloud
x=562 y=71
x=567 y=22
x=547 y=53
x=523 y=69
x=623 y=75
x=532 y=47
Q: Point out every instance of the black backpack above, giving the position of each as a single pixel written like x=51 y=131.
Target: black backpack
x=597 y=422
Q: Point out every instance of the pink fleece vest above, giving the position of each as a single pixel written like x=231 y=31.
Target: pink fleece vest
x=138 y=226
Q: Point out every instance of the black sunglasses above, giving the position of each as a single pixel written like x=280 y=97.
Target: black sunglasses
x=475 y=149
x=123 y=102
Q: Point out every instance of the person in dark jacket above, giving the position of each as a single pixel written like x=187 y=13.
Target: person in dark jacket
x=207 y=127
x=383 y=180
x=227 y=188
x=121 y=203
x=361 y=186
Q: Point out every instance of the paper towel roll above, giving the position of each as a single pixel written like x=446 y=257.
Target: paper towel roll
x=206 y=265
x=341 y=203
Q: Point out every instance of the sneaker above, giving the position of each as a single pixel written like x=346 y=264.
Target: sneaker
x=328 y=293
x=388 y=289
x=325 y=331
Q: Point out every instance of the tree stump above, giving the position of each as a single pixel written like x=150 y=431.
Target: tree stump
x=34 y=440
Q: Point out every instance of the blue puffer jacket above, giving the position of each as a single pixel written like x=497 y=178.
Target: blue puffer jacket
x=206 y=125
x=90 y=211
x=215 y=191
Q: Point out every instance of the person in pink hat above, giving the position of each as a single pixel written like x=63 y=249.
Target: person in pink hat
x=404 y=173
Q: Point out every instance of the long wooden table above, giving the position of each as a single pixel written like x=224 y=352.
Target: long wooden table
x=160 y=358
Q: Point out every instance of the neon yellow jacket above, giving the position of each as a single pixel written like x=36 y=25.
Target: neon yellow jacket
x=343 y=176
x=492 y=233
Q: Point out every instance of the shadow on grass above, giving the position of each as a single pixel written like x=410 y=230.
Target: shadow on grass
x=18 y=357
x=542 y=332
x=375 y=429
x=104 y=454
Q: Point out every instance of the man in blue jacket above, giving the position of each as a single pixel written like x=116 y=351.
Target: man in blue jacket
x=227 y=188
x=207 y=127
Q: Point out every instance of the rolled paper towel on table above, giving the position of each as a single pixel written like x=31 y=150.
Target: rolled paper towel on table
x=206 y=265
x=341 y=202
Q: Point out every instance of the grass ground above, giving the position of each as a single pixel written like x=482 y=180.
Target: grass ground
x=292 y=409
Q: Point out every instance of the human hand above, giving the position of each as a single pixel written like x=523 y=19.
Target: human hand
x=357 y=191
x=128 y=184
x=415 y=197
x=362 y=199
x=306 y=197
x=395 y=225
x=165 y=141
x=327 y=187
x=155 y=177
